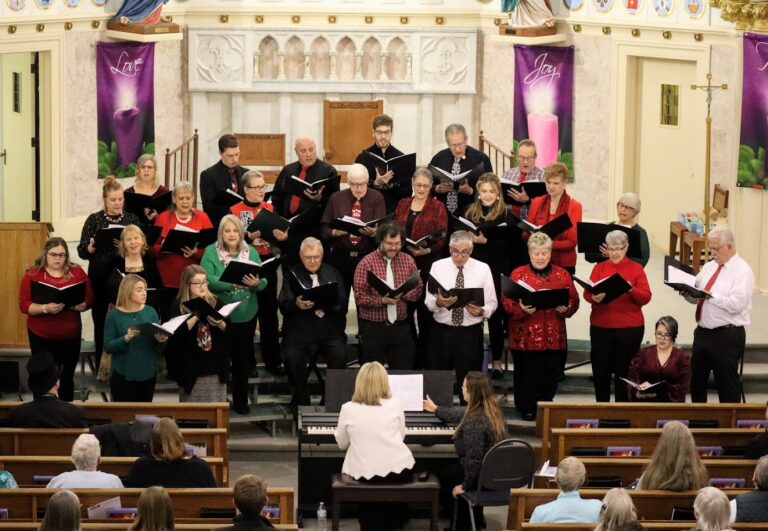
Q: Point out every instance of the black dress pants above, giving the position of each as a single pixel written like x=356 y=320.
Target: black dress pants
x=459 y=348
x=612 y=352
x=123 y=390
x=378 y=516
x=536 y=376
x=298 y=348
x=346 y=262
x=450 y=476
x=269 y=328
x=241 y=355
x=66 y=353
x=718 y=350
x=390 y=344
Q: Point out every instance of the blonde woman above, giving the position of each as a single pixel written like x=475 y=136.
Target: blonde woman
x=168 y=464
x=133 y=258
x=155 y=511
x=62 y=512
x=712 y=510
x=569 y=507
x=618 y=510
x=133 y=353
x=146 y=183
x=371 y=429
x=675 y=464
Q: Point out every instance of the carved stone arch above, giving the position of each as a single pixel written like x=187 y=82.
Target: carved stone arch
x=269 y=59
x=397 y=59
x=345 y=62
x=372 y=59
x=320 y=65
x=294 y=58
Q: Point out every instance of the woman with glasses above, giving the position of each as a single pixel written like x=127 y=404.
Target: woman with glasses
x=146 y=183
x=426 y=222
x=52 y=327
x=663 y=363
x=616 y=327
x=627 y=209
x=197 y=354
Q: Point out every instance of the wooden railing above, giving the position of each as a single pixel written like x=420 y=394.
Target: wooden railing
x=496 y=154
x=181 y=164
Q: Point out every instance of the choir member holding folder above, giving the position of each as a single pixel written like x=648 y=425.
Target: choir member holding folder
x=616 y=327
x=100 y=252
x=627 y=209
x=220 y=184
x=426 y=227
x=132 y=258
x=662 y=364
x=230 y=245
x=548 y=207
x=133 y=373
x=147 y=197
x=537 y=335
x=254 y=188
x=183 y=217
x=56 y=327
x=526 y=171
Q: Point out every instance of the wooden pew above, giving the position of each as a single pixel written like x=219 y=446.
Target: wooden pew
x=650 y=504
x=23 y=504
x=123 y=526
x=630 y=468
x=564 y=440
x=216 y=414
x=641 y=415
x=662 y=526
x=24 y=468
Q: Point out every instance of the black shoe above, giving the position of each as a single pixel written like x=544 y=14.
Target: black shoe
x=497 y=374
x=243 y=410
x=529 y=416
x=276 y=371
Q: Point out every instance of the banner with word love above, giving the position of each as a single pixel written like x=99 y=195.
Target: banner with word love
x=125 y=103
x=544 y=102
x=754 y=110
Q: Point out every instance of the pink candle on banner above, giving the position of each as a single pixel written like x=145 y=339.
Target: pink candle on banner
x=543 y=130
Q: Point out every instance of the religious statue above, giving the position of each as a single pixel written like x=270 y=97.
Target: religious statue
x=528 y=13
x=141 y=12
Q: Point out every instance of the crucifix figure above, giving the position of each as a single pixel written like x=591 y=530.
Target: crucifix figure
x=709 y=88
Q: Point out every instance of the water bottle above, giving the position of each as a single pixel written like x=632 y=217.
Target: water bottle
x=322 y=517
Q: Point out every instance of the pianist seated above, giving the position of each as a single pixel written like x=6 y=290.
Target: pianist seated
x=371 y=429
x=569 y=507
x=479 y=426
x=86 y=455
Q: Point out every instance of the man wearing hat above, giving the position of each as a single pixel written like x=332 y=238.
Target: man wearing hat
x=46 y=410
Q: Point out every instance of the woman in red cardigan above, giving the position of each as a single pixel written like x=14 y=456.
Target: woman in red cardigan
x=52 y=327
x=423 y=216
x=547 y=207
x=537 y=338
x=616 y=327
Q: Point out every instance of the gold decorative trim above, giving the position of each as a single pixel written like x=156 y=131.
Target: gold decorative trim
x=606 y=30
x=577 y=28
x=332 y=19
x=698 y=37
x=667 y=35
x=68 y=26
x=40 y=28
x=635 y=32
x=296 y=19
x=259 y=19
x=369 y=20
x=95 y=24
x=223 y=19
x=746 y=15
x=11 y=29
x=403 y=20
x=439 y=21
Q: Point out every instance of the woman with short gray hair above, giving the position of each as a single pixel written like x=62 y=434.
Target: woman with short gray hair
x=569 y=507
x=86 y=455
x=627 y=209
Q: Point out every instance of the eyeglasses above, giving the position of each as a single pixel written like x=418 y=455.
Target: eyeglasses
x=422 y=186
x=461 y=145
x=616 y=249
x=258 y=188
x=358 y=185
x=199 y=283
x=57 y=255
x=661 y=335
x=526 y=158
x=465 y=252
x=147 y=167
x=624 y=205
x=313 y=258
x=393 y=245
x=383 y=132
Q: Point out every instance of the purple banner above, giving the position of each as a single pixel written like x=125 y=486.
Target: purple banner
x=754 y=110
x=125 y=102
x=544 y=102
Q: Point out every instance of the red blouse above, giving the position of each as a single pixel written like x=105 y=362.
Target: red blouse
x=64 y=325
x=676 y=373
x=564 y=244
x=544 y=329
x=432 y=219
x=171 y=265
x=246 y=214
x=625 y=311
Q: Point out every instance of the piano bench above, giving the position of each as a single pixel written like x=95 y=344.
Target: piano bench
x=347 y=489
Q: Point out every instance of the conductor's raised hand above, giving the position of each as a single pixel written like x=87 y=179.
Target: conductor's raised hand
x=429 y=405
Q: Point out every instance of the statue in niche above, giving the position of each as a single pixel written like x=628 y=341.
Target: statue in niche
x=145 y=12
x=529 y=14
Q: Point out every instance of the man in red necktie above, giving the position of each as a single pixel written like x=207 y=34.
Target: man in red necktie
x=719 y=338
x=222 y=176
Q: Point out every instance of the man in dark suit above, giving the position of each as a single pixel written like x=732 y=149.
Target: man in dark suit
x=457 y=158
x=46 y=410
x=224 y=175
x=310 y=169
x=250 y=496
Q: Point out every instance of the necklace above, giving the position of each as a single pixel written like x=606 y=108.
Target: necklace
x=115 y=219
x=183 y=220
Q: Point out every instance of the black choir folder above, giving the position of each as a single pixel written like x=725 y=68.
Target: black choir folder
x=237 y=269
x=166 y=329
x=591 y=236
x=466 y=296
x=203 y=310
x=552 y=228
x=324 y=296
x=402 y=166
x=105 y=237
x=353 y=225
x=489 y=230
x=266 y=221
x=613 y=286
x=295 y=186
x=176 y=239
x=680 y=278
x=71 y=295
x=386 y=290
x=543 y=299
x=136 y=203
x=442 y=176
x=227 y=197
x=532 y=188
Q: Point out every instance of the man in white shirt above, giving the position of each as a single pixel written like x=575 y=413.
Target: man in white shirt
x=86 y=455
x=719 y=338
x=456 y=338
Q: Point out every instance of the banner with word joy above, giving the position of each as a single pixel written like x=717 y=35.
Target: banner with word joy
x=544 y=102
x=754 y=113
x=125 y=102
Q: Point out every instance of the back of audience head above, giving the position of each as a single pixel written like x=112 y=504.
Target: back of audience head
x=712 y=510
x=155 y=512
x=371 y=384
x=570 y=474
x=86 y=452
x=632 y=525
x=675 y=464
x=250 y=495
x=760 y=477
x=166 y=442
x=618 y=509
x=62 y=512
x=481 y=399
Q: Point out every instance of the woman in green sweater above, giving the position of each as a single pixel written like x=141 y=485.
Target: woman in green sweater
x=133 y=351
x=230 y=245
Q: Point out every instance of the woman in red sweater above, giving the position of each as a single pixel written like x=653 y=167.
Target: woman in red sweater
x=616 y=328
x=170 y=265
x=52 y=327
x=537 y=338
x=547 y=207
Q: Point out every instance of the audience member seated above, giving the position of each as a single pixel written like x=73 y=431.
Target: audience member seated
x=155 y=511
x=46 y=410
x=371 y=428
x=146 y=183
x=478 y=427
x=661 y=363
x=617 y=511
x=7 y=481
x=675 y=463
x=124 y=439
x=758 y=447
x=86 y=456
x=753 y=506
x=62 y=513
x=712 y=510
x=168 y=464
x=627 y=209
x=250 y=496
x=569 y=507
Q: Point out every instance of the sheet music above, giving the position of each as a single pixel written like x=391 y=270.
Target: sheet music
x=100 y=511
x=409 y=390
